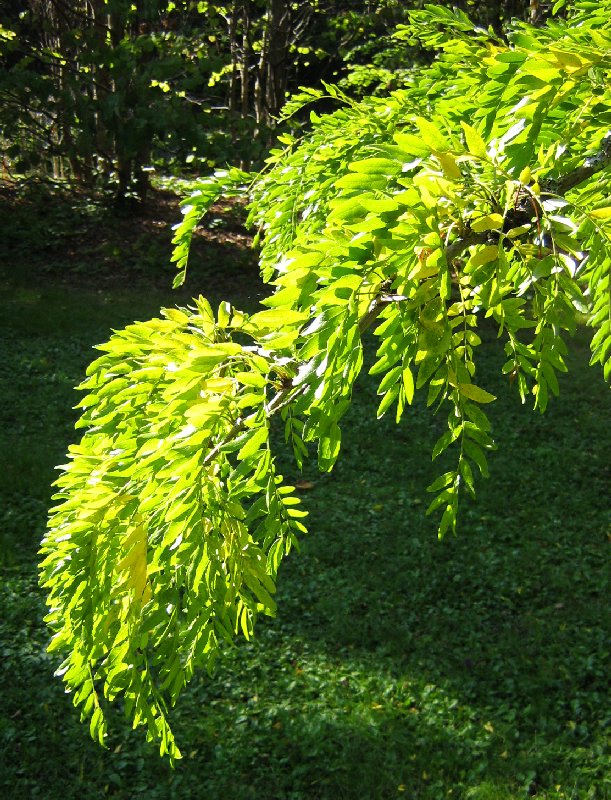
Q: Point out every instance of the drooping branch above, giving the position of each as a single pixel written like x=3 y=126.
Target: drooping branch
x=290 y=390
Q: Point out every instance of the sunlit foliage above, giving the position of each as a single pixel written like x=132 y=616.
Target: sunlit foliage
x=480 y=191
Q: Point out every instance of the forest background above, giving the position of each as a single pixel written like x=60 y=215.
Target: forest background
x=100 y=92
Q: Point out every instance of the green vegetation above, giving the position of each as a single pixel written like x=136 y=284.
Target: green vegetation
x=449 y=239
x=398 y=665
x=99 y=93
x=172 y=515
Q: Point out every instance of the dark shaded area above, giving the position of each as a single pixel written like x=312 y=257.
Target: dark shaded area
x=53 y=237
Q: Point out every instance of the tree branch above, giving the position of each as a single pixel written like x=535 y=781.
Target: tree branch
x=591 y=166
x=459 y=246
x=278 y=401
x=550 y=186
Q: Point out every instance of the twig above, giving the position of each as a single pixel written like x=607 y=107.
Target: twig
x=550 y=186
x=278 y=401
x=591 y=166
x=459 y=246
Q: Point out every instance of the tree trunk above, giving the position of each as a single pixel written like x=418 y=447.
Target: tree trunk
x=233 y=47
x=272 y=71
x=245 y=65
x=277 y=57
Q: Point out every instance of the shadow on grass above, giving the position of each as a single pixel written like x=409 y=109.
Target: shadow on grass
x=280 y=720
x=398 y=665
x=50 y=240
x=511 y=618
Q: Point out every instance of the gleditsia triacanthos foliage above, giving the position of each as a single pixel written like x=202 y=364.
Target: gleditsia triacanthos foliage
x=480 y=191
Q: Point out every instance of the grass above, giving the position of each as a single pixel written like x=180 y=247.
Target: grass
x=398 y=666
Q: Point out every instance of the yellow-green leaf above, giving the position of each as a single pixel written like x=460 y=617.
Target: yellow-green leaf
x=375 y=166
x=274 y=319
x=475 y=144
x=449 y=166
x=474 y=392
x=491 y=222
x=601 y=213
x=411 y=145
x=484 y=256
x=408 y=384
x=432 y=136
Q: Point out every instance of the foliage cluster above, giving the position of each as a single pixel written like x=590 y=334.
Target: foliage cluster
x=398 y=665
x=93 y=88
x=101 y=91
x=480 y=192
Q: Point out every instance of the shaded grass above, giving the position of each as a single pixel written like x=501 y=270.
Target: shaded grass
x=398 y=665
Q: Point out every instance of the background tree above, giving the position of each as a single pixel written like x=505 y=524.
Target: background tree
x=97 y=91
x=94 y=87
x=476 y=198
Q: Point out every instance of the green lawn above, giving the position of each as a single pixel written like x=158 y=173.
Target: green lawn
x=398 y=665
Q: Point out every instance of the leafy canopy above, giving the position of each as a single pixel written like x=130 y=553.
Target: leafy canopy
x=479 y=191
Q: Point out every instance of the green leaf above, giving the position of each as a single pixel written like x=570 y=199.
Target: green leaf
x=408 y=384
x=441 y=482
x=375 y=166
x=444 y=441
x=255 y=440
x=274 y=319
x=475 y=144
x=467 y=476
x=475 y=452
x=390 y=379
x=387 y=400
x=475 y=393
x=329 y=447
x=347 y=210
x=431 y=135
x=427 y=369
x=476 y=415
x=412 y=145
x=439 y=501
x=362 y=181
x=491 y=222
x=448 y=520
x=484 y=255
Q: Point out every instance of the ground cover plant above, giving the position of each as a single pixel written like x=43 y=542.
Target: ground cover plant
x=172 y=517
x=398 y=665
